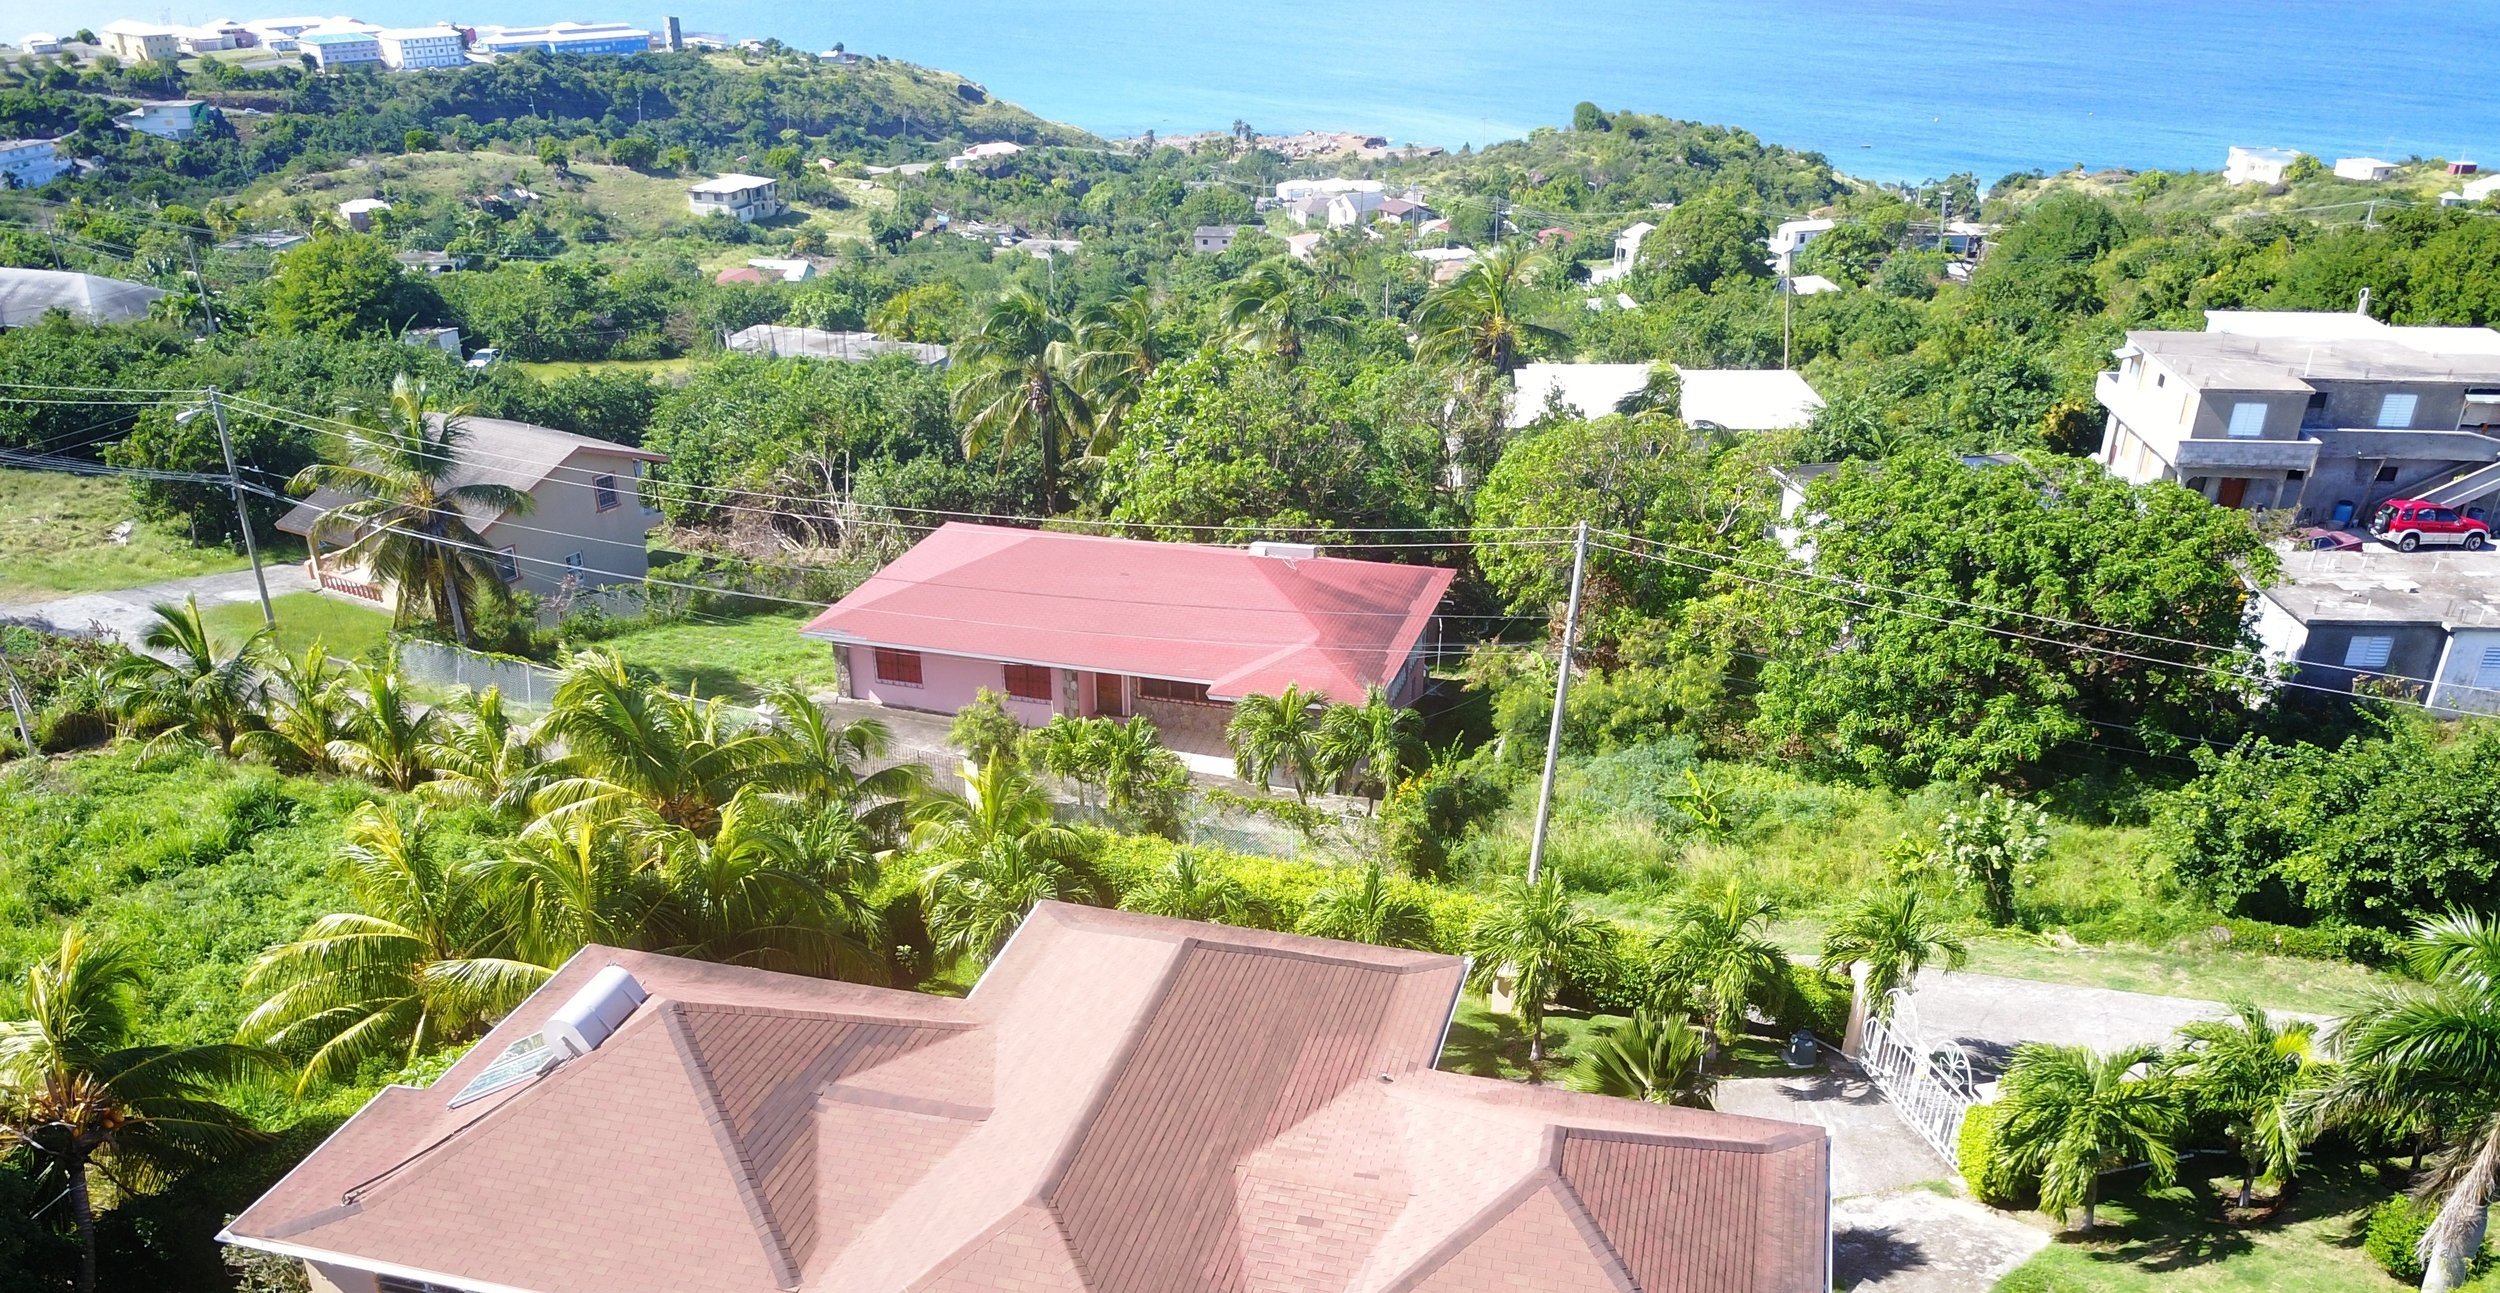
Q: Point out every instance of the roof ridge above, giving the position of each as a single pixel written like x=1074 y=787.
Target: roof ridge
x=733 y=1151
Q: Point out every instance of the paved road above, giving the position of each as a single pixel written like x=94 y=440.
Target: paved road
x=1917 y=1241
x=1873 y=1150
x=124 y=613
x=1989 y=1015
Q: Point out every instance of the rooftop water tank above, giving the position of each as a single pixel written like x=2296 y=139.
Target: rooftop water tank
x=593 y=1014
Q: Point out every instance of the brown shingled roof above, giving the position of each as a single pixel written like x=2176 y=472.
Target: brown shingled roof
x=1124 y=1104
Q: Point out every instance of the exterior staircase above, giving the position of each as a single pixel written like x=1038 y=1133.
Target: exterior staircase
x=2464 y=489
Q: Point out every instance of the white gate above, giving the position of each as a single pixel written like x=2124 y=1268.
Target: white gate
x=1929 y=1084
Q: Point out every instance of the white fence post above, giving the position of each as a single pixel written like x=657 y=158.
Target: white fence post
x=1929 y=1085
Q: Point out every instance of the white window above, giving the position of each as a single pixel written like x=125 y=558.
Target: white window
x=603 y=488
x=2489 y=674
x=2397 y=410
x=2369 y=652
x=2248 y=418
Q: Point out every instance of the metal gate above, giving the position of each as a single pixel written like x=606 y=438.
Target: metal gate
x=1929 y=1084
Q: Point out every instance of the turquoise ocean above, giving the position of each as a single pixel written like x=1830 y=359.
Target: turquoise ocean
x=1889 y=89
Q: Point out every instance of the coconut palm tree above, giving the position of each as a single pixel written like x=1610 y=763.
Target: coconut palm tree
x=1531 y=935
x=305 y=710
x=1272 y=734
x=634 y=749
x=409 y=511
x=182 y=687
x=1016 y=385
x=1658 y=1058
x=388 y=731
x=763 y=890
x=1277 y=310
x=578 y=885
x=1482 y=313
x=2427 y=1054
x=993 y=851
x=821 y=760
x=1721 y=949
x=1367 y=905
x=1118 y=348
x=1368 y=744
x=486 y=756
x=2072 y=1113
x=427 y=959
x=2251 y=1070
x=1894 y=933
x=1187 y=888
x=77 y=1092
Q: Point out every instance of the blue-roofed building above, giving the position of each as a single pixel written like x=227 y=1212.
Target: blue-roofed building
x=565 y=38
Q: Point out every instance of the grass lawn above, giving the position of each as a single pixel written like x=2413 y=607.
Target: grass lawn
x=56 y=539
x=2172 y=1241
x=347 y=629
x=739 y=659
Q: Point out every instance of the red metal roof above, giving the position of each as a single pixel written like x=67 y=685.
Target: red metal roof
x=1238 y=622
x=1125 y=1103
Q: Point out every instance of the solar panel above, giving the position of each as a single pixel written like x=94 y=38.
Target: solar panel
x=521 y=1061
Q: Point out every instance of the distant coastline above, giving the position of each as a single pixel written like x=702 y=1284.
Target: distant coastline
x=1886 y=89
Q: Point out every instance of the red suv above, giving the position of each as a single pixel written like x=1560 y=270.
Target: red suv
x=2409 y=523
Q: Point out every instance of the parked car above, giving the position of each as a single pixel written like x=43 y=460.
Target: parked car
x=485 y=358
x=2319 y=538
x=2410 y=523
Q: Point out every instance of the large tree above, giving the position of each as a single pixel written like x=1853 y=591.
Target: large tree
x=1277 y=309
x=991 y=851
x=340 y=285
x=410 y=515
x=1959 y=622
x=80 y=1093
x=1486 y=313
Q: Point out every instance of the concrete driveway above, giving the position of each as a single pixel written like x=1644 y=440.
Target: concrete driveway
x=1989 y=1015
x=124 y=614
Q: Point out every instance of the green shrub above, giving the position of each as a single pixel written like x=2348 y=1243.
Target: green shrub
x=2325 y=941
x=1980 y=1155
x=2394 y=1237
x=58 y=731
x=1621 y=978
x=1814 y=1001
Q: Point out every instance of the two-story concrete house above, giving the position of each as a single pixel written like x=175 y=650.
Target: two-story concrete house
x=2425 y=623
x=31 y=163
x=585 y=528
x=743 y=198
x=2324 y=415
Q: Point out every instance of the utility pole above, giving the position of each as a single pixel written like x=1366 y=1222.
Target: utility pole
x=1562 y=693
x=201 y=283
x=1788 y=317
x=242 y=514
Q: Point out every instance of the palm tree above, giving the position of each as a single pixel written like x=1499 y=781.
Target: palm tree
x=1276 y=310
x=1481 y=313
x=427 y=960
x=1272 y=734
x=2427 y=1054
x=1368 y=743
x=994 y=850
x=77 y=1092
x=1367 y=905
x=2072 y=1113
x=1016 y=385
x=1532 y=935
x=306 y=710
x=1186 y=888
x=2251 y=1070
x=489 y=756
x=763 y=890
x=388 y=731
x=1721 y=947
x=1660 y=1059
x=1118 y=348
x=409 y=511
x=634 y=749
x=1894 y=933
x=186 y=689
x=574 y=886
x=820 y=761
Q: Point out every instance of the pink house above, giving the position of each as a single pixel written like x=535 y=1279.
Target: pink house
x=1078 y=624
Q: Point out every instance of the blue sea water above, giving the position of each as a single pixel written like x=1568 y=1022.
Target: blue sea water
x=1889 y=89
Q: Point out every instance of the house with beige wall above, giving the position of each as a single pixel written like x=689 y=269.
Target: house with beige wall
x=2322 y=415
x=586 y=527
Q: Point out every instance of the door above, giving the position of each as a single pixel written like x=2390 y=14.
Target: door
x=1107 y=699
x=2231 y=491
